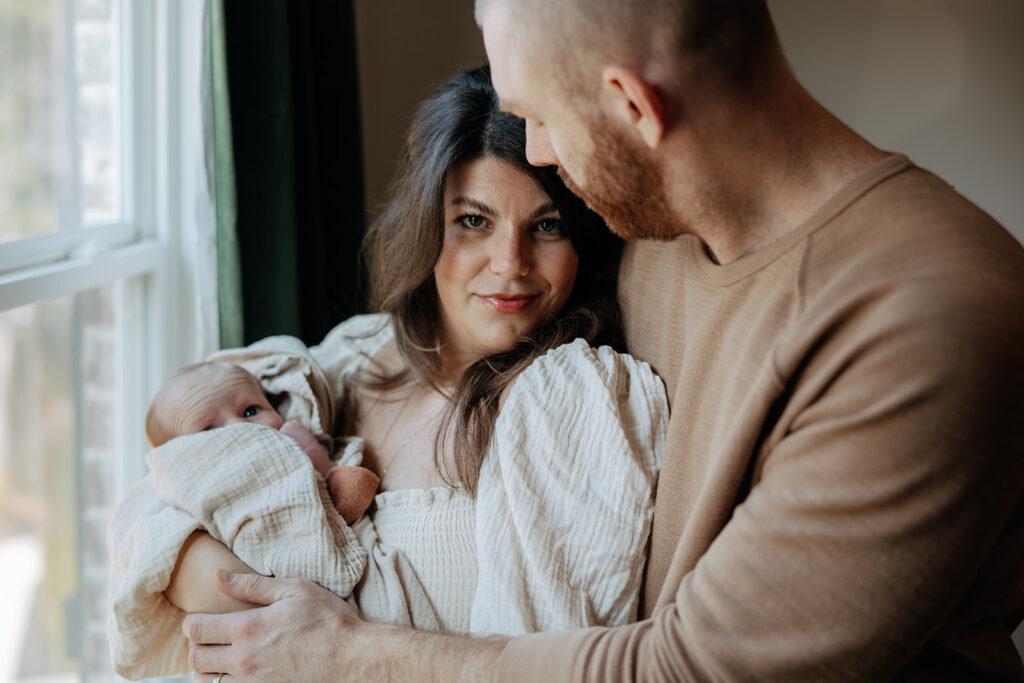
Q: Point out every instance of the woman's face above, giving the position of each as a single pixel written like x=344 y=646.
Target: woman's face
x=506 y=265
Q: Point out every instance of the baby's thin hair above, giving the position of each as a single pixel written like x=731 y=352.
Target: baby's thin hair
x=157 y=433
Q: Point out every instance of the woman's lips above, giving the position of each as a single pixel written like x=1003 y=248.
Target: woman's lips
x=507 y=303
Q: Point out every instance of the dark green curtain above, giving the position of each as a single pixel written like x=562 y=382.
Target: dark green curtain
x=283 y=120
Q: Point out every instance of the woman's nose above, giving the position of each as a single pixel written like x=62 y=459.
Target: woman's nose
x=510 y=256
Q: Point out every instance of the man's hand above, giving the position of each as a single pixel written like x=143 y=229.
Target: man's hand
x=306 y=633
x=292 y=638
x=308 y=443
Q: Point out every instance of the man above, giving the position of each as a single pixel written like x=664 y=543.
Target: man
x=841 y=494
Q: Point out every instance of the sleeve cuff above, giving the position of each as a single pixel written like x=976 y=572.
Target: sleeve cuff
x=539 y=657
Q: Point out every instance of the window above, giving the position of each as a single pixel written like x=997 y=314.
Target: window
x=95 y=198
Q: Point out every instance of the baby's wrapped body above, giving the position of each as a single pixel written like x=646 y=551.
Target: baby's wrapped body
x=554 y=539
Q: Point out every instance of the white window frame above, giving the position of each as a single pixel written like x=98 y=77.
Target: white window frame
x=164 y=196
x=154 y=253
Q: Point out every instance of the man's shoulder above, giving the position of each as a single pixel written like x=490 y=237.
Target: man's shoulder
x=914 y=231
x=915 y=269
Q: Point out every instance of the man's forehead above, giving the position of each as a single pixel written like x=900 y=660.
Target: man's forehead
x=509 y=98
x=510 y=74
x=510 y=106
x=515 y=99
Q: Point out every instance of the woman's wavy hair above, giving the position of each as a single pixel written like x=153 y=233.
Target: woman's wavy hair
x=461 y=123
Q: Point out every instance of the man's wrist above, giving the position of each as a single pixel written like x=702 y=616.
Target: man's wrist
x=386 y=652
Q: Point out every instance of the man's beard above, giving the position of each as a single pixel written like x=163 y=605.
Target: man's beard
x=624 y=188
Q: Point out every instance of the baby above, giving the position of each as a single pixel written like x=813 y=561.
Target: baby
x=210 y=395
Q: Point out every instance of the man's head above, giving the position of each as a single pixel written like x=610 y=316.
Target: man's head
x=725 y=40
x=206 y=396
x=603 y=83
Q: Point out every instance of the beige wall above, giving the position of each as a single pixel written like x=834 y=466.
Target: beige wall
x=941 y=80
x=406 y=49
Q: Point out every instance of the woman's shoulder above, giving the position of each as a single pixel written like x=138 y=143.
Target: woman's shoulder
x=580 y=358
x=368 y=326
x=359 y=336
x=577 y=369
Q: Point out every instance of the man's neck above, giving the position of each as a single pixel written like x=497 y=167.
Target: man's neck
x=765 y=168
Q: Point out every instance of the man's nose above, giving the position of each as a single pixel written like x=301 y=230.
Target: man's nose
x=539 y=151
x=511 y=255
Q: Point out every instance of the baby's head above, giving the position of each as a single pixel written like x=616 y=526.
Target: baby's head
x=206 y=396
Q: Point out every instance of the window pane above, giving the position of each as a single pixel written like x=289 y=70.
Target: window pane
x=59 y=115
x=96 y=60
x=58 y=457
x=33 y=178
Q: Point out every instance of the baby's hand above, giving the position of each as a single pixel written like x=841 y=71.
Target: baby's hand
x=308 y=443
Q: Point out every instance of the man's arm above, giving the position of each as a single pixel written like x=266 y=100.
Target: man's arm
x=880 y=505
x=306 y=633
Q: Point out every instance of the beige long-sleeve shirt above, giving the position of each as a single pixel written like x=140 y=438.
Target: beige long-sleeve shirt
x=841 y=493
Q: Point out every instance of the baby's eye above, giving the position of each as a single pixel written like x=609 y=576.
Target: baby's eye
x=472 y=221
x=551 y=226
x=251 y=411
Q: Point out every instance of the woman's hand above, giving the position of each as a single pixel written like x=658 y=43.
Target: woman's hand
x=292 y=638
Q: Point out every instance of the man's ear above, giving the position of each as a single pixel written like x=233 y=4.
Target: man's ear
x=636 y=101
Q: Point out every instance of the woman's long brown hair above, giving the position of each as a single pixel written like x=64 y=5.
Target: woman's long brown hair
x=460 y=123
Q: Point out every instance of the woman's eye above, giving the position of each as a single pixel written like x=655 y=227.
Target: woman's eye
x=472 y=221
x=551 y=226
x=251 y=411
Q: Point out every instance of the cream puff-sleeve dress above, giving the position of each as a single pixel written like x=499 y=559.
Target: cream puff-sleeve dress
x=555 y=538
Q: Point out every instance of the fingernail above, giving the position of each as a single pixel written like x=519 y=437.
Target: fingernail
x=224 y=576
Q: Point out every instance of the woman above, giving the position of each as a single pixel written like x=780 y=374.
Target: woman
x=517 y=462
x=465 y=163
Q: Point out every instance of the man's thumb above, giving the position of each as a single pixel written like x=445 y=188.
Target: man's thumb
x=254 y=588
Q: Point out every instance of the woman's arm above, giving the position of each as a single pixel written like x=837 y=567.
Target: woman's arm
x=574 y=457
x=192 y=587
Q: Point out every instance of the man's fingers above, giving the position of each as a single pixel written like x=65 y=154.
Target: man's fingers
x=208 y=661
x=210 y=629
x=212 y=678
x=283 y=641
x=262 y=590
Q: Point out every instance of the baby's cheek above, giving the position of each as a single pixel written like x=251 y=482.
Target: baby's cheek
x=271 y=419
